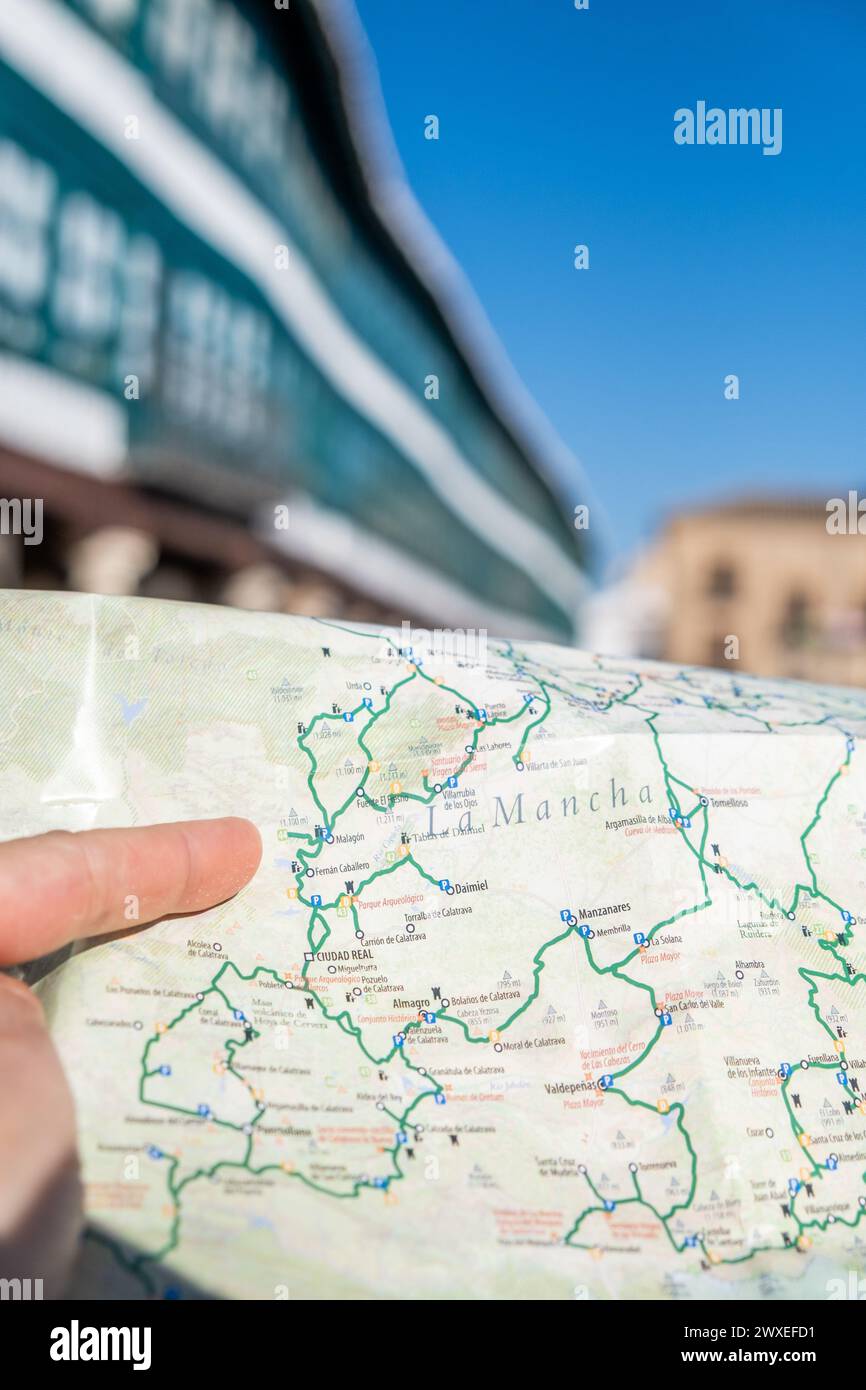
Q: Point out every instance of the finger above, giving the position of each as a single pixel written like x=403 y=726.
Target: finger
x=40 y=1194
x=60 y=887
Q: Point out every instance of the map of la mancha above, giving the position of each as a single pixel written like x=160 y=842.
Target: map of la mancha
x=551 y=984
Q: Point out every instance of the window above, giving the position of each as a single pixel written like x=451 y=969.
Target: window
x=795 y=621
x=722 y=581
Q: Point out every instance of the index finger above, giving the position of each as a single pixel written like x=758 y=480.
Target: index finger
x=62 y=886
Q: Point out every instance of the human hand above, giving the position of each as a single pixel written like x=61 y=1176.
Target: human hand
x=54 y=889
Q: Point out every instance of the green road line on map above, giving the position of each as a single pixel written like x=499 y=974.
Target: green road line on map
x=313 y=847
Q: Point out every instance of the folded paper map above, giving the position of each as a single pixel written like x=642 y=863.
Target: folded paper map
x=550 y=984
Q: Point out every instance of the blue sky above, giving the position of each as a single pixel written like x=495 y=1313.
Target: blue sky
x=556 y=128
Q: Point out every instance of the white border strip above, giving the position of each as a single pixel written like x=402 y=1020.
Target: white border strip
x=66 y=422
x=366 y=562
x=83 y=76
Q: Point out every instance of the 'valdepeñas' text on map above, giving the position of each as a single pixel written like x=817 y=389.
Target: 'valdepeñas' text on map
x=550 y=985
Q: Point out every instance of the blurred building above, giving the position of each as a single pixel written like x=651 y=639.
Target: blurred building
x=766 y=572
x=235 y=361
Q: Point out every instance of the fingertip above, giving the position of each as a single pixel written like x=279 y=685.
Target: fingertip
x=60 y=887
x=226 y=852
x=247 y=844
x=241 y=825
